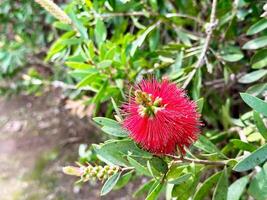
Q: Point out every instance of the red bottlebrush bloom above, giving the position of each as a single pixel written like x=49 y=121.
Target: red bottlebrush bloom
x=161 y=118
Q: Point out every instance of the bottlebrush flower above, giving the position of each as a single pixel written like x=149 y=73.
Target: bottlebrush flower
x=160 y=117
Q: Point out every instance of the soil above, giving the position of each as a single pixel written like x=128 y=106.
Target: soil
x=37 y=137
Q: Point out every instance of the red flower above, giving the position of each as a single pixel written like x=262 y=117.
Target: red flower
x=160 y=117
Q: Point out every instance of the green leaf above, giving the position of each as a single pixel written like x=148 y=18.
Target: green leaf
x=237 y=188
x=103 y=121
x=110 y=183
x=206 y=186
x=180 y=179
x=255 y=103
x=87 y=80
x=260 y=124
x=256 y=43
x=259 y=60
x=253 y=76
x=100 y=32
x=200 y=103
x=124 y=180
x=139 y=41
x=114 y=152
x=116 y=108
x=257 y=89
x=243 y=145
x=204 y=144
x=154 y=40
x=257 y=27
x=185 y=190
x=251 y=161
x=104 y=64
x=153 y=195
x=175 y=171
x=176 y=66
x=118 y=131
x=100 y=94
x=221 y=190
x=138 y=167
x=159 y=164
x=77 y=22
x=143 y=188
x=258 y=185
x=78 y=65
x=111 y=127
x=232 y=57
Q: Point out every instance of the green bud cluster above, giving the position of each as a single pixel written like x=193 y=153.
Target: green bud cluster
x=90 y=172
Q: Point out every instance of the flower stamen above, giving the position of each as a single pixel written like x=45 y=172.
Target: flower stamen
x=148 y=106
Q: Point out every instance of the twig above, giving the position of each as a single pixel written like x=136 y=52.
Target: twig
x=210 y=28
x=191 y=160
x=205 y=162
x=167 y=15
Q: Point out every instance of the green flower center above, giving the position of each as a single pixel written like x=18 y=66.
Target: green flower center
x=148 y=105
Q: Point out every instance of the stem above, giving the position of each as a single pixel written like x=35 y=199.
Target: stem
x=205 y=162
x=167 y=15
x=192 y=160
x=210 y=28
x=127 y=169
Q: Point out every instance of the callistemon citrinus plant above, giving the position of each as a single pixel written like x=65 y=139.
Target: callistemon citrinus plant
x=160 y=117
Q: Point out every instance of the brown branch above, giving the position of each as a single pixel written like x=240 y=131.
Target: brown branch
x=210 y=28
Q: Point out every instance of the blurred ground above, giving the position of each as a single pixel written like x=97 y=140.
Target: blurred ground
x=37 y=137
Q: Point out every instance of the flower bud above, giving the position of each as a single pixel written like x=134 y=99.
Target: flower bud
x=74 y=171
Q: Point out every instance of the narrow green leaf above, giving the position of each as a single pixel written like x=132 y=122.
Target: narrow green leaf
x=153 y=195
x=204 y=144
x=206 y=186
x=255 y=103
x=103 y=121
x=124 y=180
x=258 y=185
x=260 y=124
x=100 y=94
x=77 y=22
x=180 y=179
x=236 y=189
x=253 y=76
x=110 y=183
x=176 y=66
x=243 y=145
x=116 y=108
x=256 y=89
x=251 y=161
x=139 y=41
x=138 y=167
x=200 y=103
x=221 y=190
x=143 y=188
x=115 y=131
x=159 y=164
x=100 y=32
x=259 y=60
x=78 y=65
x=256 y=43
x=154 y=40
x=232 y=57
x=87 y=80
x=257 y=27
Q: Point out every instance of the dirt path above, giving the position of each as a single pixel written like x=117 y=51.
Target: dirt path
x=34 y=145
